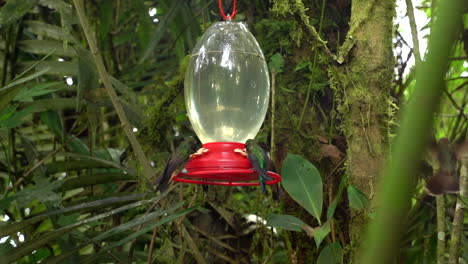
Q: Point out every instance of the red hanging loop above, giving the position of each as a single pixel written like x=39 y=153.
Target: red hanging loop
x=229 y=16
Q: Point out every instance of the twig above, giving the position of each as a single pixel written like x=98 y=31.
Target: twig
x=220 y=255
x=454 y=103
x=143 y=160
x=35 y=166
x=151 y=246
x=440 y=203
x=457 y=229
x=299 y=6
x=196 y=253
x=273 y=103
x=305 y=20
x=414 y=31
x=214 y=239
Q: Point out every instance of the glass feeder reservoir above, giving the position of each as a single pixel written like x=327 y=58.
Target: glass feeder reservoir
x=227 y=91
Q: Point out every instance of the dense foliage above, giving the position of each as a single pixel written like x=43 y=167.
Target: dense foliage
x=75 y=189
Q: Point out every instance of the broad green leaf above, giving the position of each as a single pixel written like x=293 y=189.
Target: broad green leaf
x=52 y=120
x=321 y=232
x=331 y=254
x=276 y=63
x=287 y=222
x=77 y=145
x=357 y=200
x=303 y=183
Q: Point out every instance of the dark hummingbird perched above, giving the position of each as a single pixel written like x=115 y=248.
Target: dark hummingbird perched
x=176 y=162
x=446 y=179
x=259 y=160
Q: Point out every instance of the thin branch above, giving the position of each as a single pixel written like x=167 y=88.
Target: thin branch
x=273 y=103
x=459 y=109
x=440 y=203
x=457 y=229
x=143 y=160
x=151 y=246
x=299 y=6
x=414 y=31
x=196 y=253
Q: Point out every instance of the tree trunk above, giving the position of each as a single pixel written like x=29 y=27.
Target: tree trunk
x=362 y=84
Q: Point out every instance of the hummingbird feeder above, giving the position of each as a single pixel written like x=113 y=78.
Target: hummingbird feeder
x=227 y=90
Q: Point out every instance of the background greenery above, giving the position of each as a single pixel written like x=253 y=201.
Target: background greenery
x=74 y=190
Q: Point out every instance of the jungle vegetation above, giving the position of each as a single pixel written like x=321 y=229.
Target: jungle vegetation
x=92 y=106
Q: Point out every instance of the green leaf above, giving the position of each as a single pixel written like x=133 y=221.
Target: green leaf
x=24 y=79
x=27 y=94
x=16 y=119
x=6 y=97
x=14 y=10
x=144 y=230
x=101 y=203
x=60 y=68
x=276 y=63
x=38 y=242
x=321 y=232
x=46 y=30
x=331 y=254
x=161 y=29
x=331 y=209
x=303 y=183
x=52 y=120
x=357 y=199
x=88 y=77
x=37 y=46
x=287 y=222
x=5 y=202
x=42 y=191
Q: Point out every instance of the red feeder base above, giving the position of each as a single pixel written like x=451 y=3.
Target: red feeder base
x=221 y=165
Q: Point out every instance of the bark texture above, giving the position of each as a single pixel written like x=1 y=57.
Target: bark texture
x=362 y=84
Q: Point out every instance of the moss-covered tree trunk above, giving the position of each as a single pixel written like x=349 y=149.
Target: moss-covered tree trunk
x=363 y=83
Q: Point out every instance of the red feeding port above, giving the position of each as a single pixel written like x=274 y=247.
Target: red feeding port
x=222 y=164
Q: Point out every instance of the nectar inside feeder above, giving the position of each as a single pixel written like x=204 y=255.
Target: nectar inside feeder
x=227 y=91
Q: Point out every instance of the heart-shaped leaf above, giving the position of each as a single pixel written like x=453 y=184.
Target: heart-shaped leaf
x=303 y=183
x=357 y=199
x=287 y=222
x=331 y=254
x=321 y=232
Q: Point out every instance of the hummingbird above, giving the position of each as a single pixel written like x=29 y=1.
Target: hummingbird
x=446 y=179
x=176 y=162
x=259 y=160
